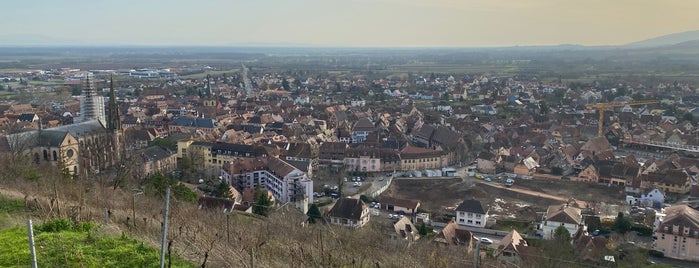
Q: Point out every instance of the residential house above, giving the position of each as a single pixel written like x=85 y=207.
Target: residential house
x=28 y=117
x=191 y=124
x=471 y=213
x=157 y=159
x=332 y=154
x=561 y=215
x=653 y=198
x=407 y=206
x=590 y=247
x=452 y=235
x=486 y=162
x=416 y=158
x=363 y=159
x=669 y=181
x=677 y=236
x=362 y=129
x=214 y=203
x=597 y=148
x=405 y=229
x=512 y=250
x=349 y=212
x=588 y=174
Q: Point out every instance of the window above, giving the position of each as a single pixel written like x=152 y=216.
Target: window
x=470 y=214
x=470 y=221
x=461 y=220
x=478 y=223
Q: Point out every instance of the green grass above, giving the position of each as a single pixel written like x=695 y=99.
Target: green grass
x=509 y=225
x=9 y=209
x=77 y=249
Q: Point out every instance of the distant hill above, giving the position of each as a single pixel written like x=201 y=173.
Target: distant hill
x=666 y=40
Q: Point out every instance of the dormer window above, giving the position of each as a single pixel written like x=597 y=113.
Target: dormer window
x=696 y=233
x=666 y=229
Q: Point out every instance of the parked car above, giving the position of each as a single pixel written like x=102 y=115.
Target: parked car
x=487 y=179
x=486 y=240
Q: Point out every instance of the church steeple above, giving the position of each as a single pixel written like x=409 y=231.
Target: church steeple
x=113 y=122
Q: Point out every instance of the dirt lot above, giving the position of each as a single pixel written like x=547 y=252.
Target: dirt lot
x=591 y=193
x=441 y=196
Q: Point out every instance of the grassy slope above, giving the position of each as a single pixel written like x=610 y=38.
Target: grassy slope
x=71 y=248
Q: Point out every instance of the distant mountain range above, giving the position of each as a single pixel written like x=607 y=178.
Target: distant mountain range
x=683 y=39
x=666 y=40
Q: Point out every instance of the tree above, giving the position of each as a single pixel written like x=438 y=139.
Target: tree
x=622 y=224
x=222 y=190
x=285 y=85
x=314 y=213
x=688 y=117
x=156 y=184
x=561 y=234
x=262 y=202
x=422 y=229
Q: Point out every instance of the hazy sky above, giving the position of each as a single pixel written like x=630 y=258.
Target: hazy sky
x=346 y=22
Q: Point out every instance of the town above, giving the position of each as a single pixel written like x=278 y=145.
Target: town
x=484 y=163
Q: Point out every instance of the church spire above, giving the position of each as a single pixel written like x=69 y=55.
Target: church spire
x=114 y=122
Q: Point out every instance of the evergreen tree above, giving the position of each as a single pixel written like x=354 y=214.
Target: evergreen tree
x=222 y=190
x=622 y=224
x=561 y=234
x=422 y=229
x=285 y=85
x=314 y=213
x=262 y=202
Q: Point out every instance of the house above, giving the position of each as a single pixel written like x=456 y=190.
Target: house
x=561 y=215
x=597 y=148
x=471 y=213
x=332 y=154
x=408 y=206
x=28 y=117
x=452 y=235
x=486 y=163
x=214 y=203
x=361 y=130
x=678 y=235
x=589 y=247
x=653 y=198
x=349 y=212
x=416 y=158
x=511 y=250
x=191 y=124
x=406 y=230
x=157 y=159
x=588 y=174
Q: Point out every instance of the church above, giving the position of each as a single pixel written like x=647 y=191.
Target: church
x=92 y=144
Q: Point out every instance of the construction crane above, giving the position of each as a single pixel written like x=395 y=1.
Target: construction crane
x=602 y=106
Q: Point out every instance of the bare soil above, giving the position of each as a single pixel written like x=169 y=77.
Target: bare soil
x=442 y=196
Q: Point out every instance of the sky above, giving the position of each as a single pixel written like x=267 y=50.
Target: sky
x=363 y=23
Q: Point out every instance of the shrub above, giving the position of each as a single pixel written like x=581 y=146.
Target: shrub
x=655 y=253
x=85 y=226
x=56 y=225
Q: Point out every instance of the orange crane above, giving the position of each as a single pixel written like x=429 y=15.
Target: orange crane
x=602 y=106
